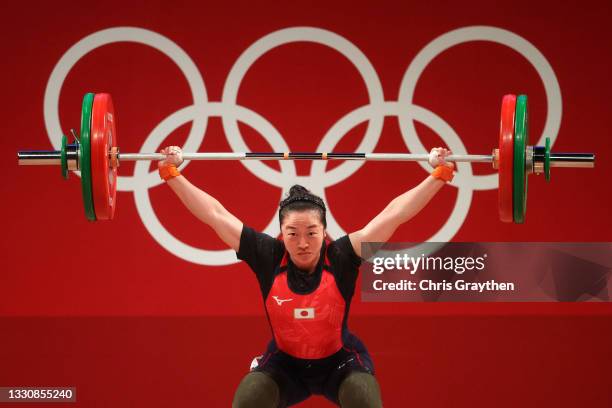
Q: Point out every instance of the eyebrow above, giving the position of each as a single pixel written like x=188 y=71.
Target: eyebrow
x=310 y=226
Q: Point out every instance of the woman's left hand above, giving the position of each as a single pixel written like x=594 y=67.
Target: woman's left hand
x=437 y=157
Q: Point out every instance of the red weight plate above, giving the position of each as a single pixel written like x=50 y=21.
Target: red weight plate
x=506 y=158
x=103 y=138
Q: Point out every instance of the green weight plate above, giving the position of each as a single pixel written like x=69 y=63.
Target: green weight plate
x=521 y=140
x=85 y=159
x=63 y=160
x=547 y=159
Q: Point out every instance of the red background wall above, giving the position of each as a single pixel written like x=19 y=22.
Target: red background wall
x=104 y=307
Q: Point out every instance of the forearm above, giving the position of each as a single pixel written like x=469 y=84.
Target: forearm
x=201 y=204
x=407 y=205
x=401 y=209
x=398 y=211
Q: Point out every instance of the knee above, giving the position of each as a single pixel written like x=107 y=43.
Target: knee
x=359 y=390
x=256 y=390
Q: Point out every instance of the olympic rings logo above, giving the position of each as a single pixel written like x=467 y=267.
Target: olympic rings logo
x=319 y=179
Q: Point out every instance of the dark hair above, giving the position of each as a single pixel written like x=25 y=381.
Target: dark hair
x=301 y=199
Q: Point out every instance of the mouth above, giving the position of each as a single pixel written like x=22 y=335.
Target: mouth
x=304 y=253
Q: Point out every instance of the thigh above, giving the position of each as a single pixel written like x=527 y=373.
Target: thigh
x=354 y=358
x=256 y=390
x=280 y=367
x=359 y=390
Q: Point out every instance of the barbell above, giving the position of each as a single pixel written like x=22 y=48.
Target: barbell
x=96 y=155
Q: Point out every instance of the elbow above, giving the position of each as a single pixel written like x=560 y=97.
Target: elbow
x=211 y=217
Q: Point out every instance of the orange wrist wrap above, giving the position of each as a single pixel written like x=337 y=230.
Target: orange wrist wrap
x=443 y=173
x=168 y=172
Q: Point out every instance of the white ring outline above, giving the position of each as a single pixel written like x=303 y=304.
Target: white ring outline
x=282 y=37
x=487 y=34
x=125 y=34
x=143 y=202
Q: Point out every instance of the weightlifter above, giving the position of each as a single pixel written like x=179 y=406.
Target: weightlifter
x=307 y=282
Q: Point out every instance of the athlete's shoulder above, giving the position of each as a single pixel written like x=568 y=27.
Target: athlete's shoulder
x=342 y=248
x=253 y=242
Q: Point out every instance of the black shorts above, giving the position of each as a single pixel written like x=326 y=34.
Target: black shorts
x=298 y=379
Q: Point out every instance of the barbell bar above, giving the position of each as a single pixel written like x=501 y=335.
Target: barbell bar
x=52 y=157
x=95 y=153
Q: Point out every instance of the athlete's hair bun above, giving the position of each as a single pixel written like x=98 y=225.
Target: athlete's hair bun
x=297 y=190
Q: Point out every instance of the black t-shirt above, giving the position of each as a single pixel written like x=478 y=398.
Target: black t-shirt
x=264 y=253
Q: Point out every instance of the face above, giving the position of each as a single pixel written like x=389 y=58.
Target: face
x=303 y=235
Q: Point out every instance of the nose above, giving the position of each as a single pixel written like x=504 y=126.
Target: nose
x=303 y=243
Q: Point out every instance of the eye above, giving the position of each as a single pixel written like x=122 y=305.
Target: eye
x=312 y=233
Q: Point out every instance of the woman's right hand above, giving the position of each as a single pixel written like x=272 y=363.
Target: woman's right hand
x=174 y=156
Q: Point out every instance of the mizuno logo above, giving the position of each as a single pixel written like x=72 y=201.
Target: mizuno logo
x=280 y=301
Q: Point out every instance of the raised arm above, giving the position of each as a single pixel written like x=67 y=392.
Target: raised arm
x=401 y=208
x=201 y=204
